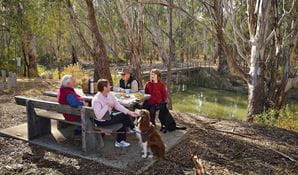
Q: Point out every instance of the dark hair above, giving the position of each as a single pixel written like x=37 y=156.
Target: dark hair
x=157 y=72
x=101 y=83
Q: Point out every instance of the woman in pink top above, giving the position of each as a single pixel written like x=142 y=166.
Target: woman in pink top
x=104 y=104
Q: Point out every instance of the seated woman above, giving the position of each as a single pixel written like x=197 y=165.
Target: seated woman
x=103 y=104
x=68 y=96
x=127 y=81
x=157 y=90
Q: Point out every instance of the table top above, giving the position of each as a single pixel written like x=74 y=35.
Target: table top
x=125 y=99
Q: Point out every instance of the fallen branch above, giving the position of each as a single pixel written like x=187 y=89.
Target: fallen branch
x=200 y=170
x=211 y=122
x=233 y=133
x=284 y=155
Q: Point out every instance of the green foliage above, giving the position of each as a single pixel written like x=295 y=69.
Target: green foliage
x=78 y=73
x=269 y=118
x=115 y=77
x=283 y=118
x=41 y=69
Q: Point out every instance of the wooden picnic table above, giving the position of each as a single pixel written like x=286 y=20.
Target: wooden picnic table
x=127 y=100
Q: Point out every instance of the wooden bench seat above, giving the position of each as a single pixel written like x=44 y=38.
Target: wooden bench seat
x=40 y=113
x=59 y=117
x=55 y=116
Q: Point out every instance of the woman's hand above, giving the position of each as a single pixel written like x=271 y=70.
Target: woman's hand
x=133 y=114
x=121 y=90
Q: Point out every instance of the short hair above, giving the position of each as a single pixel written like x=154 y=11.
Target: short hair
x=65 y=80
x=101 y=83
x=157 y=72
x=125 y=71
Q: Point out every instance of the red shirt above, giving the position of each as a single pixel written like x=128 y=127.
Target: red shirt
x=157 y=91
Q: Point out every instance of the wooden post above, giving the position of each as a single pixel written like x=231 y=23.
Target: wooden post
x=9 y=83
x=37 y=126
x=90 y=140
x=14 y=79
x=51 y=75
x=1 y=86
x=3 y=75
x=200 y=169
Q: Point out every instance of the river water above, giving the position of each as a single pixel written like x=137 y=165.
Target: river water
x=214 y=103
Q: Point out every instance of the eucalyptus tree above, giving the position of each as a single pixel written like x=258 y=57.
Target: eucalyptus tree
x=132 y=16
x=22 y=18
x=97 y=49
x=265 y=43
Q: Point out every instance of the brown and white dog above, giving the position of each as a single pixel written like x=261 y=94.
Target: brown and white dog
x=149 y=137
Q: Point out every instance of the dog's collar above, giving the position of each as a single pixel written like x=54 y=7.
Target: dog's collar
x=142 y=133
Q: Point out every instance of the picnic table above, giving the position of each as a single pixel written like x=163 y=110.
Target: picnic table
x=127 y=100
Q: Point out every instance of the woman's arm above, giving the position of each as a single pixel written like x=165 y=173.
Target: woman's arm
x=73 y=101
x=147 y=89
x=119 y=107
x=99 y=110
x=164 y=93
x=134 y=86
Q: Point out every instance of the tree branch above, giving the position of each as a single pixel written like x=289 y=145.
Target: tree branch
x=231 y=21
x=174 y=6
x=73 y=19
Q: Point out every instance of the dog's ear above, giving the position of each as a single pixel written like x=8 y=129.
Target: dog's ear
x=145 y=120
x=147 y=115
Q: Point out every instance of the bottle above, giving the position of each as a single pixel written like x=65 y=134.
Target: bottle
x=91 y=85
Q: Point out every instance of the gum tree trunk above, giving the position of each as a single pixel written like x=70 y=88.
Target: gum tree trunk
x=98 y=50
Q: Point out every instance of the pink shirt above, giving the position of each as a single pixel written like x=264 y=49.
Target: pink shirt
x=100 y=106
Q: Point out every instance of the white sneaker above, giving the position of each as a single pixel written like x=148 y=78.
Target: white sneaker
x=122 y=144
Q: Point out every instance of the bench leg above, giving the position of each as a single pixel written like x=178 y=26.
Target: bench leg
x=37 y=126
x=62 y=125
x=91 y=141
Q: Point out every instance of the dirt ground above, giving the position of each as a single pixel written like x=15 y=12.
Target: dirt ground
x=225 y=147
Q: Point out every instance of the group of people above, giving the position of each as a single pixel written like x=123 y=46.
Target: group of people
x=107 y=109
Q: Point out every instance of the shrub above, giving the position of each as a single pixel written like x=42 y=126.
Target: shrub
x=78 y=73
x=283 y=118
x=116 y=77
x=41 y=69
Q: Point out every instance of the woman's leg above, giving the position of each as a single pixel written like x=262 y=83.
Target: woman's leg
x=126 y=119
x=152 y=110
x=115 y=120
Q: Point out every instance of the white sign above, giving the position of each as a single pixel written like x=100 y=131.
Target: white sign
x=18 y=61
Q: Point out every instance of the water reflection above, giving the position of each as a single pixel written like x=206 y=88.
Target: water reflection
x=210 y=102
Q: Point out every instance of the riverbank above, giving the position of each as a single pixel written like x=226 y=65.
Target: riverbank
x=225 y=146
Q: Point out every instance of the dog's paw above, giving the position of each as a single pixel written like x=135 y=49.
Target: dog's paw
x=150 y=156
x=144 y=156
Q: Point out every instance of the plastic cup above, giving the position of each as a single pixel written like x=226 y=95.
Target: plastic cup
x=116 y=89
x=127 y=91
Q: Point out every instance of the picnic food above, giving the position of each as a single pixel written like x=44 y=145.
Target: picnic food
x=124 y=95
x=139 y=95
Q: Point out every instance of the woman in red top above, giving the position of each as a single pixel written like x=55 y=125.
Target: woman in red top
x=158 y=93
